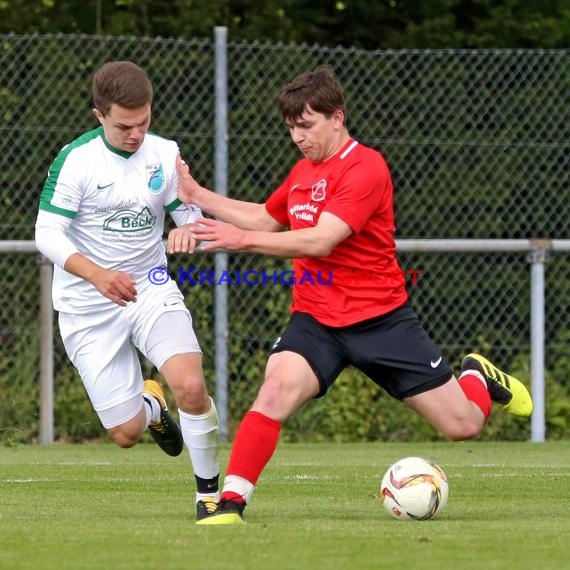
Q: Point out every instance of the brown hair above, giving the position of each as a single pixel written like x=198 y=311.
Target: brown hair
x=320 y=89
x=123 y=83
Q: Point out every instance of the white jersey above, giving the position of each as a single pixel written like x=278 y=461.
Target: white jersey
x=114 y=204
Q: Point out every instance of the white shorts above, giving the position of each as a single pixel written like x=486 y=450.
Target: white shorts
x=102 y=344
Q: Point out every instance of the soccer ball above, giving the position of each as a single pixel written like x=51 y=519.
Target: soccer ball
x=414 y=488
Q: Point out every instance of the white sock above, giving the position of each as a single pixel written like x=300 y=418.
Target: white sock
x=200 y=435
x=151 y=409
x=204 y=496
x=240 y=486
x=475 y=373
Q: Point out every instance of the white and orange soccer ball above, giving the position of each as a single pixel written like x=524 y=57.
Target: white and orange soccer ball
x=414 y=488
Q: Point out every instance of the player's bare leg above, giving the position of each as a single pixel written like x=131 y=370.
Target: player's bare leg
x=199 y=424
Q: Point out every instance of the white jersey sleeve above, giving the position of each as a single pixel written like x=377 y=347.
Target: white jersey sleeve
x=186 y=214
x=180 y=212
x=51 y=240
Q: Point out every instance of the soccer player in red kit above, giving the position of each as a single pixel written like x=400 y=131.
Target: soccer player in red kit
x=350 y=305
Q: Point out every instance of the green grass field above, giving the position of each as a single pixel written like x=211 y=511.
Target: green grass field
x=100 y=507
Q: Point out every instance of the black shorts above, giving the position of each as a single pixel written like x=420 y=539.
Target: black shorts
x=393 y=350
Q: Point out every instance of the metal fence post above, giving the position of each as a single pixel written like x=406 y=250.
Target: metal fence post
x=537 y=259
x=46 y=353
x=221 y=258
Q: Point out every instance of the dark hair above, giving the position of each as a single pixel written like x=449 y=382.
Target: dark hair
x=123 y=83
x=320 y=89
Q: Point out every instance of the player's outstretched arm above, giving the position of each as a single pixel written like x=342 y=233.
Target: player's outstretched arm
x=245 y=215
x=317 y=241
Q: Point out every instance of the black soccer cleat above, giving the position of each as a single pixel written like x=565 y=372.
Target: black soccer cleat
x=206 y=507
x=166 y=432
x=226 y=512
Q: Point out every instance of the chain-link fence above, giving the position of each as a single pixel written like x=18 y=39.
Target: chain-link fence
x=477 y=141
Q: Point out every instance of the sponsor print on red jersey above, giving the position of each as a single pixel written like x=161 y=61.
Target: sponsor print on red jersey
x=366 y=279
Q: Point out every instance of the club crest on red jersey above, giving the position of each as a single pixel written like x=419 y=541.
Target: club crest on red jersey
x=319 y=191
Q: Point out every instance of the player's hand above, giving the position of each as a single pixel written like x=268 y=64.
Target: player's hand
x=219 y=235
x=117 y=286
x=182 y=240
x=187 y=186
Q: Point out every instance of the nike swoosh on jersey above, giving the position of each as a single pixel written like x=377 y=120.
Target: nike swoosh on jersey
x=103 y=186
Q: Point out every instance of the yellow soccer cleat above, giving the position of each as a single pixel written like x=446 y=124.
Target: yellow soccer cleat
x=508 y=392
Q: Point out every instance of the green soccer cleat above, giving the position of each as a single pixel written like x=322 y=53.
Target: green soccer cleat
x=226 y=512
x=508 y=392
x=166 y=431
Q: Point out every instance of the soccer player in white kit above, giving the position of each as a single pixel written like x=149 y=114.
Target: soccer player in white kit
x=101 y=222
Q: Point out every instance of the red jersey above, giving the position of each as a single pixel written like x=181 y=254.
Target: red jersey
x=361 y=277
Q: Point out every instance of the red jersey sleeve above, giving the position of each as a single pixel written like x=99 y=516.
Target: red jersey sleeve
x=361 y=189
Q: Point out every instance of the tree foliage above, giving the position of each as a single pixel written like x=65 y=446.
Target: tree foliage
x=368 y=24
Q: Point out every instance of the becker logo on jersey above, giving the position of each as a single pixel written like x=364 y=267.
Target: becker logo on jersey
x=155 y=177
x=126 y=220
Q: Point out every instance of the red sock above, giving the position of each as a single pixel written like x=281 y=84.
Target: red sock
x=254 y=444
x=476 y=392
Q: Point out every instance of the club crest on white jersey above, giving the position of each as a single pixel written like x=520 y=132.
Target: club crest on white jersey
x=155 y=177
